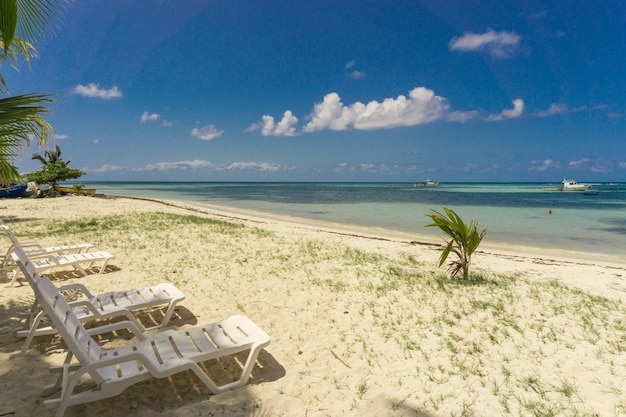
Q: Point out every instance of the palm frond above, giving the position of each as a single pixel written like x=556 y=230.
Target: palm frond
x=8 y=22
x=464 y=240
x=21 y=120
x=38 y=18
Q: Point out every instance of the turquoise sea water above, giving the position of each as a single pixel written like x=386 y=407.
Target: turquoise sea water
x=512 y=213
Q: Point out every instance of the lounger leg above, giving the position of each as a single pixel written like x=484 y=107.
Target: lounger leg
x=63 y=370
x=10 y=284
x=168 y=314
x=104 y=265
x=29 y=338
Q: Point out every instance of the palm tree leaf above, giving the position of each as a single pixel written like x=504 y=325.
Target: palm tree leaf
x=8 y=22
x=38 y=18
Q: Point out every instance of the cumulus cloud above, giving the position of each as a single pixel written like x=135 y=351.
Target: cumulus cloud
x=248 y=165
x=516 y=111
x=178 y=165
x=286 y=126
x=149 y=117
x=497 y=44
x=93 y=90
x=208 y=132
x=59 y=136
x=422 y=106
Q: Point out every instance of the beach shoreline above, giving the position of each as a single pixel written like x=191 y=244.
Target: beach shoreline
x=353 y=331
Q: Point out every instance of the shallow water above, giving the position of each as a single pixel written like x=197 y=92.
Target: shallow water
x=512 y=213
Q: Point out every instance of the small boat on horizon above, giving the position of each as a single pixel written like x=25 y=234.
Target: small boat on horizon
x=427 y=183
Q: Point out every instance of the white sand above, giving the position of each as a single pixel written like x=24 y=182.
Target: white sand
x=349 y=335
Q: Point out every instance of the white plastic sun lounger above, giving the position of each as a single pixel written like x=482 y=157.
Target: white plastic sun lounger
x=78 y=261
x=158 y=355
x=34 y=249
x=103 y=307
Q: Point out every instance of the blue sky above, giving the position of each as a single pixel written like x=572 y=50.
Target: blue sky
x=280 y=90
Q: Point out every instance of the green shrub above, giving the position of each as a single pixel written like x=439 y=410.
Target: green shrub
x=464 y=240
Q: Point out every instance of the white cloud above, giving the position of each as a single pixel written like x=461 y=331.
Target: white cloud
x=263 y=166
x=544 y=165
x=149 y=117
x=108 y=168
x=94 y=91
x=471 y=167
x=461 y=116
x=602 y=167
x=497 y=44
x=594 y=165
x=580 y=162
x=208 y=132
x=58 y=136
x=622 y=165
x=422 y=106
x=558 y=108
x=167 y=123
x=364 y=167
x=267 y=167
x=516 y=111
x=357 y=75
x=178 y=165
x=286 y=126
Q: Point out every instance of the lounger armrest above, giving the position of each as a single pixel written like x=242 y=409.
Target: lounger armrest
x=38 y=254
x=76 y=287
x=30 y=244
x=122 y=325
x=178 y=364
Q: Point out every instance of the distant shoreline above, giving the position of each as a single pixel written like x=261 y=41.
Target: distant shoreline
x=496 y=248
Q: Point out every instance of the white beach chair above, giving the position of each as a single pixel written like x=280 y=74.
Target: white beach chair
x=102 y=307
x=78 y=261
x=34 y=249
x=158 y=355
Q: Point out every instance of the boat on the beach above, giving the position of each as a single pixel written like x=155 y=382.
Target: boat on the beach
x=427 y=183
x=17 y=190
x=74 y=189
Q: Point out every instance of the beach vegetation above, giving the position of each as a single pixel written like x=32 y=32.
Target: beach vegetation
x=512 y=342
x=464 y=240
x=53 y=169
x=23 y=22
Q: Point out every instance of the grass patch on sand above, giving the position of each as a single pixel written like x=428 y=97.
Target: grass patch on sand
x=403 y=329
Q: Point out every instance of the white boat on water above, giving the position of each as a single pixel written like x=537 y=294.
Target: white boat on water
x=427 y=183
x=571 y=185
